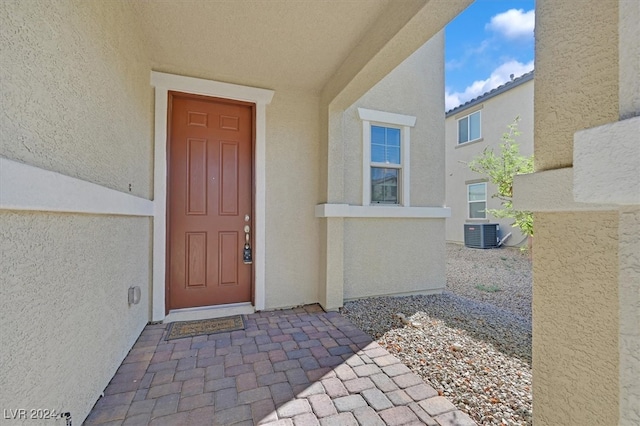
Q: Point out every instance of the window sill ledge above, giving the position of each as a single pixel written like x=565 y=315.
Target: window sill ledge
x=460 y=145
x=347 y=210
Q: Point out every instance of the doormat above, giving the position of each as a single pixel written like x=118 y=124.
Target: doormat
x=178 y=330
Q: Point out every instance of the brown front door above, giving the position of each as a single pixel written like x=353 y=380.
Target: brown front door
x=209 y=201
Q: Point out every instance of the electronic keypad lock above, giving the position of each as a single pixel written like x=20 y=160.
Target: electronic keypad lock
x=246 y=254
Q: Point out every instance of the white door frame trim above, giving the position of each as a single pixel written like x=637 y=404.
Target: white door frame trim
x=164 y=83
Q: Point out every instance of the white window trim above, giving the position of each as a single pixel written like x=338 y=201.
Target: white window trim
x=476 y=201
x=387 y=119
x=468 y=127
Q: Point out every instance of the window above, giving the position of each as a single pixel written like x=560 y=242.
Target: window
x=477 y=199
x=469 y=128
x=385 y=163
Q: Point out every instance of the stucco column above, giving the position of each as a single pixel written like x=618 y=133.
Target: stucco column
x=629 y=222
x=333 y=292
x=629 y=296
x=586 y=334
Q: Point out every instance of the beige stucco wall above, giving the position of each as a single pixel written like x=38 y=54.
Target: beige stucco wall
x=393 y=256
x=67 y=325
x=629 y=54
x=576 y=305
x=76 y=100
x=629 y=229
x=399 y=256
x=76 y=93
x=413 y=88
x=497 y=113
x=575 y=313
x=292 y=230
x=582 y=92
x=629 y=299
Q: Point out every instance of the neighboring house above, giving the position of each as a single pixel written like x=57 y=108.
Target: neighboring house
x=470 y=129
x=145 y=143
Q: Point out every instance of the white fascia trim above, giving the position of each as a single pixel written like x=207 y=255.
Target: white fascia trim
x=605 y=163
x=381 y=211
x=549 y=191
x=164 y=83
x=386 y=117
x=25 y=187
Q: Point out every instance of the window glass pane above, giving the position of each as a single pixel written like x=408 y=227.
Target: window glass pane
x=393 y=155
x=377 y=153
x=477 y=192
x=385 y=145
x=377 y=135
x=393 y=136
x=474 y=126
x=384 y=185
x=477 y=210
x=463 y=130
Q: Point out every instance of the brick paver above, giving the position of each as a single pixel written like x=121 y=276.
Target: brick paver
x=454 y=418
x=398 y=415
x=349 y=403
x=437 y=405
x=368 y=416
x=376 y=399
x=297 y=366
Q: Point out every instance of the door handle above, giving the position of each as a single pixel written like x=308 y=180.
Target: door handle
x=247 y=257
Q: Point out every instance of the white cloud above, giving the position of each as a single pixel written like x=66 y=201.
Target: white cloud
x=469 y=53
x=498 y=77
x=513 y=24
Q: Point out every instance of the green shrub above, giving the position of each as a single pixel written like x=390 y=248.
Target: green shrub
x=500 y=169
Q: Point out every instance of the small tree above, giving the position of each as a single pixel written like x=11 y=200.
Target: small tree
x=500 y=169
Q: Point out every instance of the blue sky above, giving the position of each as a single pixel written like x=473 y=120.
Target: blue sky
x=485 y=44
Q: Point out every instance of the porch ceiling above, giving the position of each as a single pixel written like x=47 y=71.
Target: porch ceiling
x=270 y=44
x=336 y=48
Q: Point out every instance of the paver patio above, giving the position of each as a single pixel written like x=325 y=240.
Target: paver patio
x=292 y=367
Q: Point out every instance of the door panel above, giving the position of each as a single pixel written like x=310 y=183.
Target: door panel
x=210 y=192
x=228 y=260
x=196 y=259
x=196 y=176
x=229 y=180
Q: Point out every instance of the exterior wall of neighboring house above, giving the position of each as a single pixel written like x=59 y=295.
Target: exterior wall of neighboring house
x=66 y=321
x=380 y=253
x=585 y=198
x=497 y=110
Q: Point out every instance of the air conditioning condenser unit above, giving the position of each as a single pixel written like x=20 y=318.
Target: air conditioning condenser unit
x=481 y=235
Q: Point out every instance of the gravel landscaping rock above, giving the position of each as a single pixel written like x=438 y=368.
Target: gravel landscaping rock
x=473 y=342
x=501 y=277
